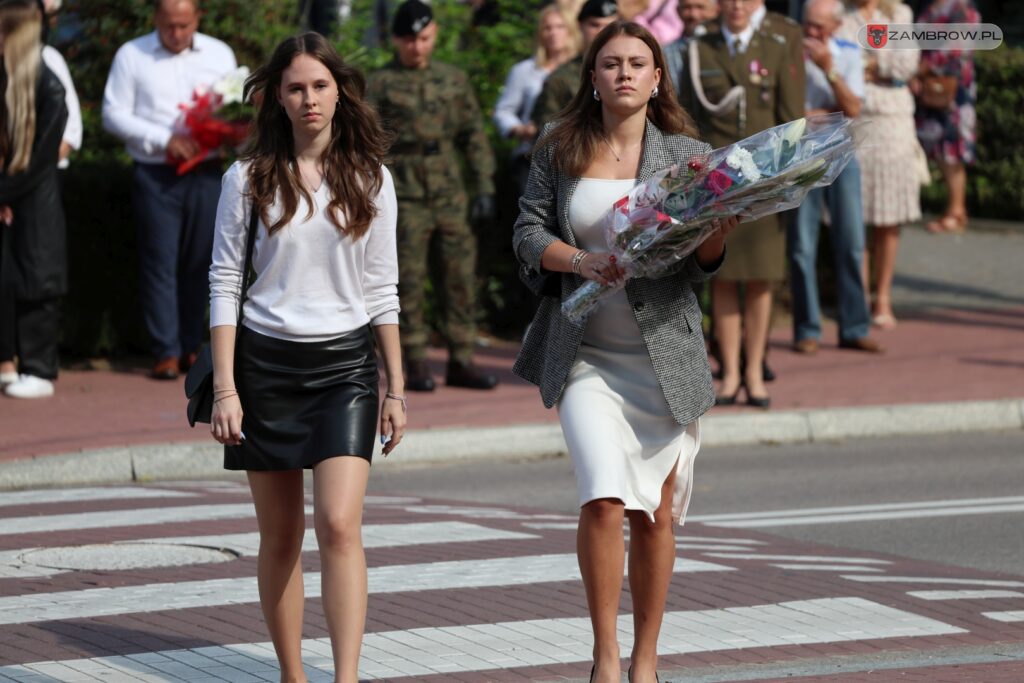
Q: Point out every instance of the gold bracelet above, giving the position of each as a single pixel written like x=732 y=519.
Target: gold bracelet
x=221 y=398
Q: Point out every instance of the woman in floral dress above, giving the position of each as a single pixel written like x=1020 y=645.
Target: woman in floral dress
x=948 y=134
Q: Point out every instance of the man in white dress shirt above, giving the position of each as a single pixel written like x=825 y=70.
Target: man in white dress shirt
x=835 y=83
x=150 y=77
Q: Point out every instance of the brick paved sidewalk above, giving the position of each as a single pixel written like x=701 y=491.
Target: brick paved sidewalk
x=469 y=593
x=942 y=356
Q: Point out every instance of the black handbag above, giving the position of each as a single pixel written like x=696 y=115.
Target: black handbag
x=199 y=380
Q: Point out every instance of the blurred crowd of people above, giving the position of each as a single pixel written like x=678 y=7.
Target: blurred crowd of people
x=735 y=66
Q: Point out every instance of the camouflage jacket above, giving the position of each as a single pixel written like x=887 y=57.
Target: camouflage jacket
x=559 y=89
x=434 y=116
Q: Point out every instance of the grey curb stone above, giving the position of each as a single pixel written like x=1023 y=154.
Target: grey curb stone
x=195 y=460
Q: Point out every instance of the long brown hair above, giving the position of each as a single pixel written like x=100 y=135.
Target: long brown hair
x=578 y=131
x=20 y=22
x=352 y=161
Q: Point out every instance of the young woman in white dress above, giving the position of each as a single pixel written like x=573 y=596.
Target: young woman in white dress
x=631 y=383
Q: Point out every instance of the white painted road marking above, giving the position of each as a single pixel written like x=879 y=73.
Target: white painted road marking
x=964 y=595
x=477 y=573
x=128 y=518
x=481 y=647
x=936 y=579
x=374 y=536
x=827 y=567
x=796 y=558
x=1006 y=617
x=47 y=496
x=864 y=513
x=12 y=564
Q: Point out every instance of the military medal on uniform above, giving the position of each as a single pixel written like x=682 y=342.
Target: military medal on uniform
x=759 y=76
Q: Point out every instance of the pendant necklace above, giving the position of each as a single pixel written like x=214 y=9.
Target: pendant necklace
x=612 y=149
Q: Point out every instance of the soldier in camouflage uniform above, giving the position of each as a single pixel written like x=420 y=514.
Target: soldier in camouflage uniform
x=561 y=85
x=434 y=115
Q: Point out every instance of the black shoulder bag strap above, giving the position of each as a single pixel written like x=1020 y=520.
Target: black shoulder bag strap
x=250 y=245
x=199 y=381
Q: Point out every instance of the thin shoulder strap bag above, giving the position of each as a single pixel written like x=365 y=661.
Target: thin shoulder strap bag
x=199 y=380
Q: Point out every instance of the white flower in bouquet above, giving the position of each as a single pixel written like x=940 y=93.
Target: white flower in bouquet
x=743 y=161
x=231 y=86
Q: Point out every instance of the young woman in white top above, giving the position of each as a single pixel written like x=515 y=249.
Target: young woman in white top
x=558 y=41
x=298 y=388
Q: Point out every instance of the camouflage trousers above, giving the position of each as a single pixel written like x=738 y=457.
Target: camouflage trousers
x=420 y=222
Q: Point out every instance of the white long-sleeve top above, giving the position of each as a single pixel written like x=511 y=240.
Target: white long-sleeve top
x=146 y=85
x=73 y=128
x=515 y=103
x=313 y=283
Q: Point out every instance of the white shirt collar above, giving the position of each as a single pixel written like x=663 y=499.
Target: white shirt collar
x=745 y=35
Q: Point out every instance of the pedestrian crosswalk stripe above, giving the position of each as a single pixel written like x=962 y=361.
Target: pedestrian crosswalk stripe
x=13 y=564
x=875 y=507
x=49 y=496
x=964 y=594
x=864 y=513
x=826 y=567
x=998 y=583
x=374 y=536
x=128 y=518
x=539 y=642
x=1005 y=617
x=797 y=558
x=458 y=574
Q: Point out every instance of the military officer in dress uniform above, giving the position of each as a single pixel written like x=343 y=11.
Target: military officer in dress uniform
x=747 y=82
x=435 y=117
x=561 y=85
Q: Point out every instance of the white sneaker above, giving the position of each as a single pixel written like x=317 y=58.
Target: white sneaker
x=8 y=378
x=29 y=386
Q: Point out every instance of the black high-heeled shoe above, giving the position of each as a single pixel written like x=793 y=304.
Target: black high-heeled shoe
x=727 y=399
x=629 y=675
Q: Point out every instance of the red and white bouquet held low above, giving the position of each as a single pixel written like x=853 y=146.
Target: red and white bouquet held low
x=217 y=118
x=663 y=220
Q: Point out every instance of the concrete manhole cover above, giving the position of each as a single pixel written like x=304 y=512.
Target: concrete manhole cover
x=116 y=556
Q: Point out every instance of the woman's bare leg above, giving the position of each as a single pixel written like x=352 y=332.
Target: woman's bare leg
x=757 y=316
x=652 y=556
x=339 y=486
x=601 y=552
x=279 y=501
x=887 y=243
x=726 y=306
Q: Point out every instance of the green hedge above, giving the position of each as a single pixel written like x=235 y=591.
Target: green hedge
x=995 y=184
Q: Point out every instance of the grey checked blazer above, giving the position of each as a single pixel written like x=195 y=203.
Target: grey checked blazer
x=665 y=308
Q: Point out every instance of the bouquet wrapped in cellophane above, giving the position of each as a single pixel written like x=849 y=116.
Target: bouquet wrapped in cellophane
x=663 y=220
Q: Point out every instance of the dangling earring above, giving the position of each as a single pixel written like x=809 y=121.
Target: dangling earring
x=654 y=93
x=597 y=95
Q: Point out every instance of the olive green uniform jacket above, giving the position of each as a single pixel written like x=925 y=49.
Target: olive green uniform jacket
x=772 y=75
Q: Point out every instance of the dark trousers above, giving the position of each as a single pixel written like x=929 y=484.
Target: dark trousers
x=174 y=217
x=8 y=325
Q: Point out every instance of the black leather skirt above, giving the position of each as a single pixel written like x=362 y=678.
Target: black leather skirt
x=304 y=402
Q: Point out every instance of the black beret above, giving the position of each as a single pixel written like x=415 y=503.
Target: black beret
x=411 y=17
x=597 y=8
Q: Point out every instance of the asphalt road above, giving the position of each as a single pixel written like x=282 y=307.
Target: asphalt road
x=913 y=493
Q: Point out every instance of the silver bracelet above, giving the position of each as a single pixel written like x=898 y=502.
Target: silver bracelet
x=577 y=260
x=396 y=397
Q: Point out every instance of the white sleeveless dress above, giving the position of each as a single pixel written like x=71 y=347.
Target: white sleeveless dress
x=621 y=435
